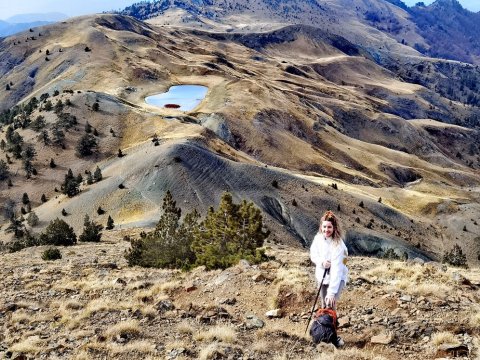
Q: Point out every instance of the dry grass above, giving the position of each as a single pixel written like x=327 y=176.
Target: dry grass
x=176 y=345
x=132 y=347
x=185 y=328
x=30 y=345
x=350 y=354
x=223 y=333
x=294 y=278
x=444 y=338
x=413 y=279
x=113 y=349
x=210 y=351
x=158 y=291
x=261 y=346
x=475 y=319
x=129 y=328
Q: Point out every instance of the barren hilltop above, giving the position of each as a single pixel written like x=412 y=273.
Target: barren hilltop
x=302 y=115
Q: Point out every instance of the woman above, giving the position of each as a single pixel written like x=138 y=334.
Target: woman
x=328 y=251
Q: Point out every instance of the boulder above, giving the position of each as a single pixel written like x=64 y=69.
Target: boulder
x=383 y=338
x=276 y=313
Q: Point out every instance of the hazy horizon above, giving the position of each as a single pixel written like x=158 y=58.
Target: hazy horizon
x=9 y=9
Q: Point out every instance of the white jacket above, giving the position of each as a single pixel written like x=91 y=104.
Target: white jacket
x=323 y=249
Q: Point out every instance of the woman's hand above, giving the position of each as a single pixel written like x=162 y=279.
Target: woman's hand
x=326 y=264
x=330 y=301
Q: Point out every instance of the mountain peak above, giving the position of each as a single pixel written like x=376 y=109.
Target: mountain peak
x=449 y=4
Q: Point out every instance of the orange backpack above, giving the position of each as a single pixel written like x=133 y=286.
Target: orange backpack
x=330 y=312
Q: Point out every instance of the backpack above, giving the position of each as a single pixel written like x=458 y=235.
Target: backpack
x=324 y=327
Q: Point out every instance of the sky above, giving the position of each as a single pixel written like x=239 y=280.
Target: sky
x=9 y=8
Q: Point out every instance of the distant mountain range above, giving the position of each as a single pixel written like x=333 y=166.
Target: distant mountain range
x=443 y=29
x=22 y=22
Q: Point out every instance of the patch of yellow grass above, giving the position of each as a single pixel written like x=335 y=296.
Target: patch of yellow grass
x=185 y=328
x=158 y=291
x=30 y=345
x=208 y=352
x=223 y=333
x=20 y=316
x=125 y=328
x=175 y=345
x=261 y=346
x=475 y=320
x=350 y=354
x=133 y=347
x=34 y=284
x=444 y=337
x=294 y=278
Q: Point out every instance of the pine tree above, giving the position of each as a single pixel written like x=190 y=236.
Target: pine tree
x=91 y=231
x=229 y=234
x=16 y=227
x=25 y=199
x=88 y=128
x=32 y=219
x=58 y=233
x=97 y=175
x=110 y=223
x=4 y=173
x=86 y=145
x=52 y=163
x=89 y=178
x=70 y=186
x=43 y=199
x=120 y=153
x=169 y=245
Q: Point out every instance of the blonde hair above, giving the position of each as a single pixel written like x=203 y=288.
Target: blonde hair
x=337 y=231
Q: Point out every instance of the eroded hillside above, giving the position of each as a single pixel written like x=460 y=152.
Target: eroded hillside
x=296 y=107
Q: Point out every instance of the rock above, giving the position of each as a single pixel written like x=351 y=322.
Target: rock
x=253 y=322
x=244 y=264
x=190 y=287
x=10 y=308
x=460 y=279
x=396 y=311
x=164 y=305
x=417 y=260
x=228 y=301
x=276 y=313
x=258 y=277
x=344 y=322
x=406 y=298
x=325 y=348
x=383 y=338
x=120 y=281
x=452 y=350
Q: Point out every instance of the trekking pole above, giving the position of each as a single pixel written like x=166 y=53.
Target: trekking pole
x=316 y=299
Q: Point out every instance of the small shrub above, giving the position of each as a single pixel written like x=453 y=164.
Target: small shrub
x=110 y=223
x=455 y=257
x=361 y=204
x=275 y=184
x=390 y=254
x=52 y=253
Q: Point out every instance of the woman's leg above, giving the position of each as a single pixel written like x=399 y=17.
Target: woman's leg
x=323 y=293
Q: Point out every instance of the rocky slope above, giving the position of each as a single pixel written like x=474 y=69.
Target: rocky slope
x=90 y=305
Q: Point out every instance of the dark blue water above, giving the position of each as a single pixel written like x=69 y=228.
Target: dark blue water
x=187 y=96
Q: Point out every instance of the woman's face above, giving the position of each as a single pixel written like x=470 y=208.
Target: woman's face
x=327 y=228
